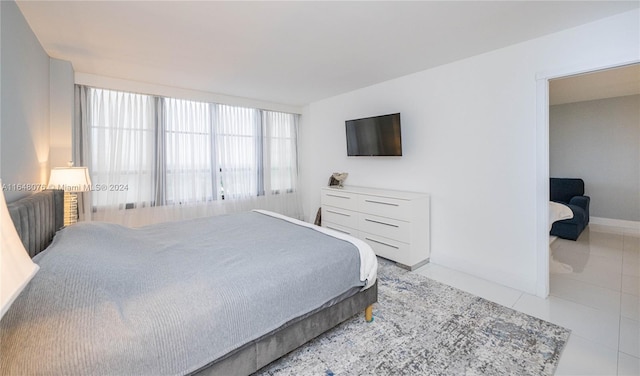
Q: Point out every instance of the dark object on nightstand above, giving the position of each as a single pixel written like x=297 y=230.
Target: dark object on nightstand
x=570 y=192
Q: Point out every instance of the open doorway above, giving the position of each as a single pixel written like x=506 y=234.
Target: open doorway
x=594 y=136
x=567 y=87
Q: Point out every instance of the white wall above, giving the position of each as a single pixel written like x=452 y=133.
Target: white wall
x=61 y=112
x=24 y=122
x=469 y=139
x=599 y=141
x=37 y=106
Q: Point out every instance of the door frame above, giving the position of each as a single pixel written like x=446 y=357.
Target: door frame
x=542 y=162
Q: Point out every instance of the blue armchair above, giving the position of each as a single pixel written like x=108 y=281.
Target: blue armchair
x=571 y=193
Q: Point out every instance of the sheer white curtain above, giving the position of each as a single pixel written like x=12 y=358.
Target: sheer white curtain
x=281 y=162
x=188 y=155
x=237 y=140
x=155 y=159
x=122 y=141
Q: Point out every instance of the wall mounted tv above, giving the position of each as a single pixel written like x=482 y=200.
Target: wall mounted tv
x=374 y=136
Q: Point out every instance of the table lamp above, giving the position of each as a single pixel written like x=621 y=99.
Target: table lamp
x=71 y=180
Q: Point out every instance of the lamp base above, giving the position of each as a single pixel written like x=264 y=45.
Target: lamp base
x=70 y=208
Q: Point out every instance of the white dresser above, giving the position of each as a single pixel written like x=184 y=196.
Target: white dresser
x=394 y=223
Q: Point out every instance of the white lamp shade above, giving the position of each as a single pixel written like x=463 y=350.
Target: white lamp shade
x=16 y=267
x=70 y=179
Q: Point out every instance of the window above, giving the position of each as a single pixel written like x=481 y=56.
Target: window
x=187 y=149
x=122 y=148
x=281 y=136
x=238 y=151
x=167 y=151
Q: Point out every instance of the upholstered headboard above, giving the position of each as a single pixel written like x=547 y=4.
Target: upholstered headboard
x=37 y=218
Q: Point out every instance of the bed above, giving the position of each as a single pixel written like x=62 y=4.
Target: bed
x=179 y=297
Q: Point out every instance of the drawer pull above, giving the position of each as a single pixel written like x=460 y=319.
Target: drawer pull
x=337 y=229
x=379 y=242
x=335 y=212
x=381 y=202
x=338 y=196
x=381 y=223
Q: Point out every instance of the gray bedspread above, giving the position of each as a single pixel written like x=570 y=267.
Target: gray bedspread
x=168 y=298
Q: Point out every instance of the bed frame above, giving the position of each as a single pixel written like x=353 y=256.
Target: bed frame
x=39 y=216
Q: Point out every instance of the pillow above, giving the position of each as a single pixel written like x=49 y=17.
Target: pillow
x=16 y=267
x=558 y=212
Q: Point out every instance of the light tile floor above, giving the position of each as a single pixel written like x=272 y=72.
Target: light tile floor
x=598 y=300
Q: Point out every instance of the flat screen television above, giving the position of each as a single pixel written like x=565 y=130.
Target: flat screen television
x=374 y=136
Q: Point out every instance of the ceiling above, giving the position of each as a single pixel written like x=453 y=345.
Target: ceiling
x=609 y=83
x=289 y=52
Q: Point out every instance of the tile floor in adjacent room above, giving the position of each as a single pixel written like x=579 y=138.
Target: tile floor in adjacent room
x=598 y=300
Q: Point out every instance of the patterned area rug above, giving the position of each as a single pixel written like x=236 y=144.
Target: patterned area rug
x=422 y=327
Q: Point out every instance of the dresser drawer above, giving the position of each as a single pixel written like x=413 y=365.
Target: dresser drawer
x=333 y=197
x=340 y=216
x=385 y=207
x=385 y=227
x=340 y=228
x=387 y=248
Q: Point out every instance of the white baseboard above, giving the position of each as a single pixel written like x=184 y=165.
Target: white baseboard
x=631 y=225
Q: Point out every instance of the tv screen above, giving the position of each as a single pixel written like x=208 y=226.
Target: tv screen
x=374 y=136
